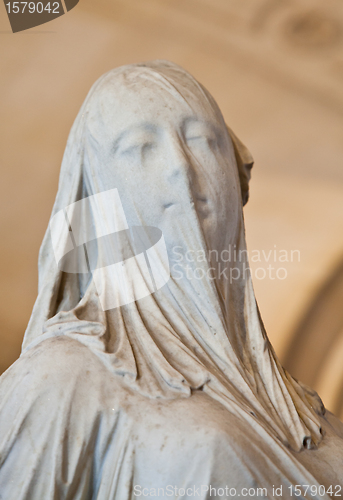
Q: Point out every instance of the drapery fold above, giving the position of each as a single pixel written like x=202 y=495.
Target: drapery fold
x=192 y=333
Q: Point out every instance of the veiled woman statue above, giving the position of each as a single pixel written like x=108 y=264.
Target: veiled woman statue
x=146 y=370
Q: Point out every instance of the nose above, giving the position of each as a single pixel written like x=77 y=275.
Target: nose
x=179 y=164
x=183 y=177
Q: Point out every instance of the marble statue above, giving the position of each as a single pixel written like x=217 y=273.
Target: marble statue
x=146 y=370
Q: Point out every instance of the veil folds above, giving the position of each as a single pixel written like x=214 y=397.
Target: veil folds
x=189 y=334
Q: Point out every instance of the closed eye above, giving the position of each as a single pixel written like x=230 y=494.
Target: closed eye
x=204 y=140
x=138 y=148
x=136 y=140
x=198 y=133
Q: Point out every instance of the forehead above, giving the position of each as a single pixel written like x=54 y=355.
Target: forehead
x=123 y=102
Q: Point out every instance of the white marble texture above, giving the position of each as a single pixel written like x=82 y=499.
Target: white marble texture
x=178 y=388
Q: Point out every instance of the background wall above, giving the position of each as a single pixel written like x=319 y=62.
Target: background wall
x=275 y=68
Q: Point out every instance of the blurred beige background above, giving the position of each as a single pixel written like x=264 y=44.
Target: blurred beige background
x=275 y=68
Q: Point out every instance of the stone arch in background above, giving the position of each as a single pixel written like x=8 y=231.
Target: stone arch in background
x=315 y=354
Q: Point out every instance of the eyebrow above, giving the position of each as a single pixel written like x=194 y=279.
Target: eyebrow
x=130 y=130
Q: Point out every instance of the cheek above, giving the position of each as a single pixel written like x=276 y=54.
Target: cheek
x=223 y=180
x=137 y=184
x=225 y=215
x=139 y=165
x=230 y=200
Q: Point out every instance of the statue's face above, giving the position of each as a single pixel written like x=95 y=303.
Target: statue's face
x=170 y=159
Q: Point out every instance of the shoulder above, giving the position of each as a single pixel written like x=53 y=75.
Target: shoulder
x=56 y=367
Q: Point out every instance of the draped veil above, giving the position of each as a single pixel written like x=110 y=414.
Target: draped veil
x=190 y=334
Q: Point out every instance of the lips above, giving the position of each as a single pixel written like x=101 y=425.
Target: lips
x=202 y=206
